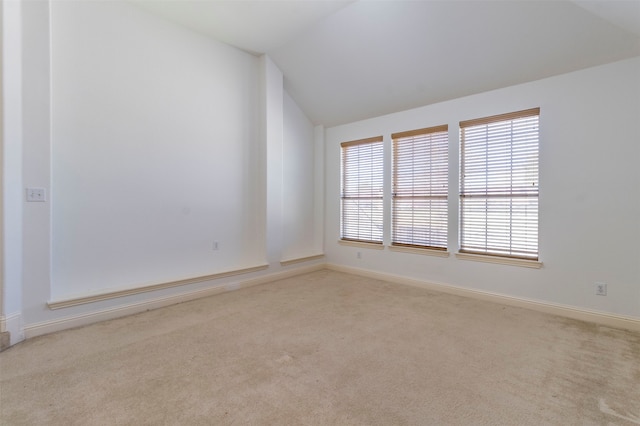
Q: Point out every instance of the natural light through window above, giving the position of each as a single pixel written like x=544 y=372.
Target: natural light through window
x=499 y=185
x=420 y=188
x=362 y=190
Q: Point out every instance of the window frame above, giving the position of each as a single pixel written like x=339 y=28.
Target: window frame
x=351 y=195
x=420 y=176
x=520 y=197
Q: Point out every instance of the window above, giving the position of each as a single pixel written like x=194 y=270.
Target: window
x=420 y=188
x=362 y=186
x=499 y=185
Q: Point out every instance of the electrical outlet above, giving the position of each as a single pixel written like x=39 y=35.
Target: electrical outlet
x=601 y=289
x=359 y=255
x=36 y=194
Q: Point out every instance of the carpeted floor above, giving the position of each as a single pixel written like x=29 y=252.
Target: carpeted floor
x=326 y=348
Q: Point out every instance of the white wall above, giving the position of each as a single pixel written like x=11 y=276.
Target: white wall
x=2 y=164
x=589 y=192
x=151 y=141
x=273 y=128
x=299 y=167
x=11 y=282
x=154 y=134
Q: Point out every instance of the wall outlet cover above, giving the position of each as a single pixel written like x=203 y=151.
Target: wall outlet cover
x=601 y=289
x=36 y=195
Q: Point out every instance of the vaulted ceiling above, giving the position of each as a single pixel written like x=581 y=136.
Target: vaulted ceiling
x=345 y=61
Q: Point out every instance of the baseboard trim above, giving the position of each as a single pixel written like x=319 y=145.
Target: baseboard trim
x=602 y=318
x=13 y=325
x=292 y=261
x=68 y=322
x=92 y=298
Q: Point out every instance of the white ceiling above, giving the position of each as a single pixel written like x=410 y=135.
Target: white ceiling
x=345 y=61
x=256 y=26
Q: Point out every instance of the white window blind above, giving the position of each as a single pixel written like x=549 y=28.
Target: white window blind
x=362 y=186
x=420 y=188
x=499 y=185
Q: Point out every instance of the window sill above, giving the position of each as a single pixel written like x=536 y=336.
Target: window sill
x=361 y=244
x=500 y=260
x=423 y=251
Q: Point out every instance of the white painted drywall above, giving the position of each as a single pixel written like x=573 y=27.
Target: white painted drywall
x=152 y=142
x=589 y=191
x=155 y=132
x=298 y=183
x=318 y=214
x=36 y=170
x=273 y=127
x=12 y=195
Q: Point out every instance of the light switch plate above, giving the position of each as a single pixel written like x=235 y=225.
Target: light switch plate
x=36 y=194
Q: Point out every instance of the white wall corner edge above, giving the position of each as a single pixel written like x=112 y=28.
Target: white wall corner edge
x=59 y=324
x=572 y=312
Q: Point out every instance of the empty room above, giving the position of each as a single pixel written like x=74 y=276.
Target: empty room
x=310 y=212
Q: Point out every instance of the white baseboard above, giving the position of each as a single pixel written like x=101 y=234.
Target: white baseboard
x=13 y=324
x=114 y=294
x=602 y=318
x=38 y=329
x=294 y=260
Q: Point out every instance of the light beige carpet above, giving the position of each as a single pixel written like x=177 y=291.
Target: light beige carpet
x=326 y=348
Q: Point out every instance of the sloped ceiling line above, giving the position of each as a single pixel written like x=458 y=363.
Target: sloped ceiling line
x=345 y=61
